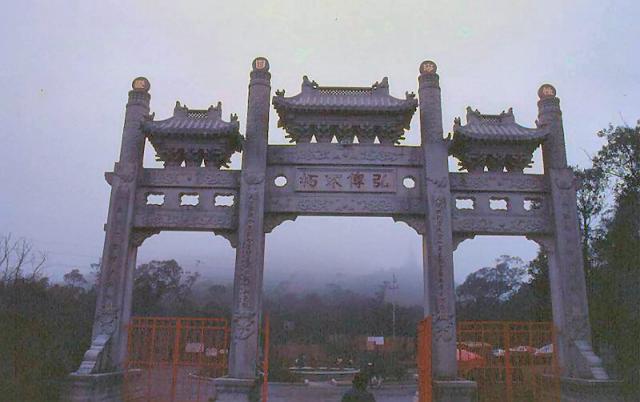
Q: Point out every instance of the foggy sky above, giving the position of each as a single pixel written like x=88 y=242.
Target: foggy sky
x=66 y=68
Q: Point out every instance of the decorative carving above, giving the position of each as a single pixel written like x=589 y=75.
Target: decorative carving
x=444 y=328
x=319 y=154
x=440 y=182
x=362 y=204
x=271 y=221
x=245 y=271
x=353 y=180
x=188 y=219
x=459 y=238
x=138 y=236
x=497 y=182
x=244 y=325
x=495 y=225
x=95 y=358
x=416 y=222
x=191 y=177
x=230 y=235
x=253 y=178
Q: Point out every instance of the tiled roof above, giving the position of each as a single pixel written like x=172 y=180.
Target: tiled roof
x=501 y=127
x=365 y=99
x=193 y=122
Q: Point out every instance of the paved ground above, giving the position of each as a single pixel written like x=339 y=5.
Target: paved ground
x=279 y=392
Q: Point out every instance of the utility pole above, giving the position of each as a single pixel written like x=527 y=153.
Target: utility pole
x=393 y=287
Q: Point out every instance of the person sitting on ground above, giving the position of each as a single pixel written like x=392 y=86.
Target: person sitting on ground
x=359 y=393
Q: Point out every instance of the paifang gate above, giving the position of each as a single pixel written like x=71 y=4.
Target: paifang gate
x=325 y=171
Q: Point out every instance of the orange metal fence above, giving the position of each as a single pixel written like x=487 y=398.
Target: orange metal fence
x=424 y=360
x=175 y=359
x=510 y=361
x=265 y=359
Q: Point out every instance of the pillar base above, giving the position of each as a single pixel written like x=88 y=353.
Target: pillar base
x=582 y=390
x=454 y=390
x=103 y=387
x=236 y=390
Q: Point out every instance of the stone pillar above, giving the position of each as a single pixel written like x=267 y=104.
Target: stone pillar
x=437 y=243
x=566 y=267
x=247 y=288
x=113 y=306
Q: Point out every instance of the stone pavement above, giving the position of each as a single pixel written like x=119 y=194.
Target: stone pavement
x=281 y=392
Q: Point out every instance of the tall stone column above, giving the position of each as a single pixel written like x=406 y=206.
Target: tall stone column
x=247 y=289
x=577 y=360
x=437 y=243
x=107 y=352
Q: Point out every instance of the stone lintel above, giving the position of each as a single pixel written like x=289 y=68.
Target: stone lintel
x=508 y=225
x=498 y=182
x=454 y=390
x=195 y=177
x=352 y=204
x=337 y=154
x=214 y=218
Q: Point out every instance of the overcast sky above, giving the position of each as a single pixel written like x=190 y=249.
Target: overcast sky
x=66 y=67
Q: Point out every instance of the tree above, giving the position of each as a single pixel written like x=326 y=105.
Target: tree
x=75 y=279
x=162 y=288
x=591 y=196
x=18 y=259
x=484 y=293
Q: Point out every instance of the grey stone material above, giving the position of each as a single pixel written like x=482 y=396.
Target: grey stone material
x=230 y=389
x=571 y=316
x=194 y=137
x=454 y=391
x=102 y=387
x=437 y=243
x=277 y=183
x=349 y=154
x=581 y=390
x=495 y=142
x=344 y=112
x=247 y=290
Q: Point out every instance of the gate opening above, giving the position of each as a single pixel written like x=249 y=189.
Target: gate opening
x=175 y=359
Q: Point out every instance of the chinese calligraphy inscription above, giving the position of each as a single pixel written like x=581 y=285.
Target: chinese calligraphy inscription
x=346 y=180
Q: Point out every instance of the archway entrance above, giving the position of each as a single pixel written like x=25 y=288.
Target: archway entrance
x=342 y=292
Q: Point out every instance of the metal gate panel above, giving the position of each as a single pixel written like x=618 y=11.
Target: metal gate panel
x=424 y=360
x=175 y=359
x=510 y=361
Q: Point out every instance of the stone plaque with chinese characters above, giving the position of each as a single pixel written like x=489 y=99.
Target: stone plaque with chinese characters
x=346 y=180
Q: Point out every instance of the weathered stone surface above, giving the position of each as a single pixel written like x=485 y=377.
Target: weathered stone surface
x=411 y=184
x=454 y=391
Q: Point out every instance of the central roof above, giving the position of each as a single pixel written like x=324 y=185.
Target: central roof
x=345 y=112
x=329 y=98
